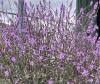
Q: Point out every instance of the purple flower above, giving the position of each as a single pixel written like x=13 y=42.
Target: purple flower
x=91 y=66
x=42 y=47
x=31 y=63
x=32 y=40
x=78 y=67
x=16 y=81
x=85 y=72
x=50 y=81
x=70 y=82
x=13 y=59
x=62 y=56
x=63 y=9
x=6 y=73
x=95 y=5
x=40 y=58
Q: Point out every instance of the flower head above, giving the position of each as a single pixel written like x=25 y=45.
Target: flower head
x=85 y=72
x=50 y=81
x=6 y=73
x=13 y=59
x=31 y=63
x=62 y=56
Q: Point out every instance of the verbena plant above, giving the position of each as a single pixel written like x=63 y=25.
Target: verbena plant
x=48 y=52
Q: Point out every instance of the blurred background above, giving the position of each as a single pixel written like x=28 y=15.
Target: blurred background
x=10 y=7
